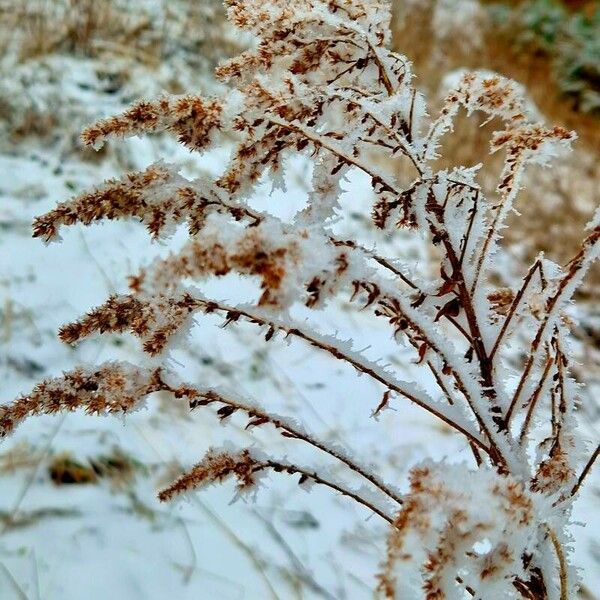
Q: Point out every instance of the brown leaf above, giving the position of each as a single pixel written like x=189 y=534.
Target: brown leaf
x=450 y=309
x=257 y=421
x=422 y=351
x=383 y=404
x=226 y=411
x=446 y=287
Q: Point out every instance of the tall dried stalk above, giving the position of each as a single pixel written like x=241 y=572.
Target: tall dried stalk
x=321 y=82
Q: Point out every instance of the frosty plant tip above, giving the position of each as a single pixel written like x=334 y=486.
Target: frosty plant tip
x=321 y=82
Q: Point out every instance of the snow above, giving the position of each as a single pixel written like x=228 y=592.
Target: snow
x=124 y=544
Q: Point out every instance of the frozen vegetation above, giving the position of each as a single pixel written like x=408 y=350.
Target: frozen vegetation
x=288 y=222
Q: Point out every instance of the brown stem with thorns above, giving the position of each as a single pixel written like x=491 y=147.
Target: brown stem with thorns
x=384 y=262
x=401 y=141
x=515 y=305
x=320 y=142
x=245 y=466
x=260 y=417
x=388 y=382
x=534 y=399
x=575 y=265
x=292 y=469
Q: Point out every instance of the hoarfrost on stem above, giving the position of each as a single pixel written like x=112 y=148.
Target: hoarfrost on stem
x=321 y=82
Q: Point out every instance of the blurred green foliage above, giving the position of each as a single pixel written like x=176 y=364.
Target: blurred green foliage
x=570 y=39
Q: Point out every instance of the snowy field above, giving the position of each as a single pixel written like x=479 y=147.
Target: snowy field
x=79 y=516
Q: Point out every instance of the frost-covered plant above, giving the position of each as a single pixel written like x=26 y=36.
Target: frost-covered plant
x=321 y=82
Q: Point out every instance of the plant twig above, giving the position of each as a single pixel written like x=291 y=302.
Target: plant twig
x=259 y=417
x=562 y=565
x=586 y=471
x=576 y=264
x=534 y=398
x=386 y=380
x=314 y=476
x=514 y=306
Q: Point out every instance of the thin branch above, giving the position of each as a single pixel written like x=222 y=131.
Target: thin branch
x=473 y=188
x=459 y=384
x=411 y=114
x=461 y=381
x=553 y=411
x=466 y=302
x=319 y=141
x=498 y=218
x=279 y=467
x=534 y=398
x=436 y=374
x=440 y=382
x=401 y=141
x=384 y=379
x=260 y=417
x=216 y=467
x=586 y=470
x=384 y=262
x=562 y=565
x=460 y=328
x=515 y=305
x=562 y=405
x=576 y=264
x=467 y=237
x=384 y=77
x=477 y=344
x=333 y=40
x=382 y=68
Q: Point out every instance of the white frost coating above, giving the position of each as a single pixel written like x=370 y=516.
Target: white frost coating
x=453 y=80
x=473 y=93
x=455 y=414
x=569 y=284
x=323 y=201
x=334 y=449
x=451 y=512
x=321 y=83
x=594 y=221
x=465 y=371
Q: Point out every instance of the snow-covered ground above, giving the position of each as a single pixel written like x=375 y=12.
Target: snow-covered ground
x=112 y=538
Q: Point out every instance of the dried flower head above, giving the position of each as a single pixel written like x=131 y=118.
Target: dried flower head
x=106 y=389
x=449 y=515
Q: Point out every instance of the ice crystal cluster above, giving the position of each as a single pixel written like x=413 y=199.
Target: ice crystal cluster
x=320 y=81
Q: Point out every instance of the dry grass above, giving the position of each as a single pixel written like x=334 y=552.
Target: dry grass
x=40 y=27
x=147 y=31
x=117 y=41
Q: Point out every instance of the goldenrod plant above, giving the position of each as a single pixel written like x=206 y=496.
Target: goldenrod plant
x=321 y=82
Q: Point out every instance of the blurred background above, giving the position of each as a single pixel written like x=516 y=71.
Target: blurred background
x=78 y=515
